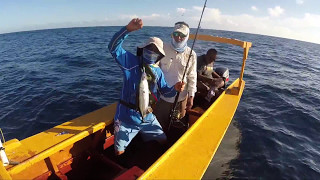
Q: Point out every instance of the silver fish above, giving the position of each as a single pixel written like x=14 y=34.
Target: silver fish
x=143 y=94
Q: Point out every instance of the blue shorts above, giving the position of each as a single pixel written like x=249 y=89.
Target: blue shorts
x=125 y=132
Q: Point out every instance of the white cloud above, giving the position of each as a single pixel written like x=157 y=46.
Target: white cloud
x=254 y=8
x=276 y=11
x=126 y=16
x=151 y=17
x=305 y=28
x=148 y=20
x=309 y=21
x=181 y=10
x=211 y=14
x=299 y=2
x=144 y=17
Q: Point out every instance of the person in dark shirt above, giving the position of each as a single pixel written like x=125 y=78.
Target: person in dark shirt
x=207 y=78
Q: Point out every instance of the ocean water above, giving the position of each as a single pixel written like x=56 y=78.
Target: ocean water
x=48 y=77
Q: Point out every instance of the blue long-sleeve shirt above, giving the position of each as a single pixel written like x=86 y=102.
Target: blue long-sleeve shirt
x=131 y=68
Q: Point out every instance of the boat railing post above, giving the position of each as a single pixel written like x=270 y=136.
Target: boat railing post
x=245 y=55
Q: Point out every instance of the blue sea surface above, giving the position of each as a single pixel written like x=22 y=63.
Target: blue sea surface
x=48 y=77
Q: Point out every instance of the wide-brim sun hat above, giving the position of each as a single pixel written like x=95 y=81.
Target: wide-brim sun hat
x=157 y=42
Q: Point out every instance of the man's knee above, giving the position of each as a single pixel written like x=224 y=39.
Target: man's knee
x=219 y=83
x=162 y=139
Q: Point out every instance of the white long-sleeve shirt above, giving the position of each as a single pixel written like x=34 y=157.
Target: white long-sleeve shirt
x=173 y=66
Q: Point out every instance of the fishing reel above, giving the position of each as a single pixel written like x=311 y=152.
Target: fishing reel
x=176 y=115
x=176 y=121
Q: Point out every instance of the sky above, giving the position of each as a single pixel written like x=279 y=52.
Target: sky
x=293 y=19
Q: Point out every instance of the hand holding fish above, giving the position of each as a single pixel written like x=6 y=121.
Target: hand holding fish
x=134 y=24
x=179 y=86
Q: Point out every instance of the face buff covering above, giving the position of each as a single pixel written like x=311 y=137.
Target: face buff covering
x=149 y=57
x=180 y=46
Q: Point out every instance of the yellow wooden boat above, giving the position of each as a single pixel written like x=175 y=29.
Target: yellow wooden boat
x=83 y=147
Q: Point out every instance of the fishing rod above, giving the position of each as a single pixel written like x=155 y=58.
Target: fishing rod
x=171 y=115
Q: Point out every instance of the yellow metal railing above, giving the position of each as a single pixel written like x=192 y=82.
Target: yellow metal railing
x=245 y=45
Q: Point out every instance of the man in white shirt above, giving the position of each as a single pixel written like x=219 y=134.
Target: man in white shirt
x=173 y=66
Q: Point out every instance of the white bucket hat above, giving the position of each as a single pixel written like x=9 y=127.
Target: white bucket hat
x=156 y=41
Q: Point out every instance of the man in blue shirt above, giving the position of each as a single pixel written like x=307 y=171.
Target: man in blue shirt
x=128 y=120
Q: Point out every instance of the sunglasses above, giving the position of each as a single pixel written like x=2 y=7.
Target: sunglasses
x=176 y=34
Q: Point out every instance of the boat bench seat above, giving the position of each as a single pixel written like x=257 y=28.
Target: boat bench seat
x=194 y=114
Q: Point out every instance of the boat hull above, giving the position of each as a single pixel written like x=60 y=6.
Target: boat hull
x=190 y=156
x=57 y=150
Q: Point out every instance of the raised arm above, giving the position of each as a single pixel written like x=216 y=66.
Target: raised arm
x=115 y=45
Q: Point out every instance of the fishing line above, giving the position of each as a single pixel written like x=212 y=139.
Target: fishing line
x=2 y=136
x=185 y=70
